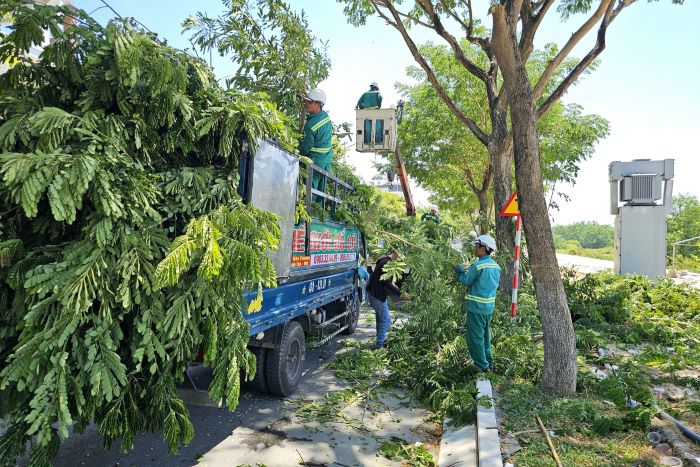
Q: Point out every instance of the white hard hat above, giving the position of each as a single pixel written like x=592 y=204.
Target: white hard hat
x=486 y=240
x=316 y=95
x=373 y=84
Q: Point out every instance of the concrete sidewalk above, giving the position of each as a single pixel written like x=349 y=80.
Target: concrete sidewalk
x=353 y=440
x=267 y=430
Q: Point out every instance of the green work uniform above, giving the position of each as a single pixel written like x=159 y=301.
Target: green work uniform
x=370 y=100
x=482 y=280
x=430 y=217
x=318 y=144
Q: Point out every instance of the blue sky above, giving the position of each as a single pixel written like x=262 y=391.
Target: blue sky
x=646 y=85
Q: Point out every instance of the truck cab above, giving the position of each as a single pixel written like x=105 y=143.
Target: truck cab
x=318 y=290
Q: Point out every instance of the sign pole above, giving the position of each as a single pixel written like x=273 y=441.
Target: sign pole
x=512 y=209
x=516 y=266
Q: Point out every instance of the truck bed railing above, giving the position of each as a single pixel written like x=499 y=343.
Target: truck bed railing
x=339 y=187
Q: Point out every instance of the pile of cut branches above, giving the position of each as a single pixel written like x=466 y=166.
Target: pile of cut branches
x=124 y=247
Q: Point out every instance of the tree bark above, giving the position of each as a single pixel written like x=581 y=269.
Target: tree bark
x=560 y=366
x=484 y=207
x=501 y=156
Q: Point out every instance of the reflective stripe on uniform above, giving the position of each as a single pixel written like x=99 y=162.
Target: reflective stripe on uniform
x=320 y=124
x=485 y=300
x=321 y=150
x=479 y=267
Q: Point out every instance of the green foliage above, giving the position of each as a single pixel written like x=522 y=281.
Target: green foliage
x=437 y=150
x=587 y=234
x=567 y=8
x=428 y=353
x=452 y=162
x=683 y=224
x=124 y=247
x=516 y=353
x=270 y=44
x=398 y=449
x=637 y=309
x=589 y=430
x=328 y=409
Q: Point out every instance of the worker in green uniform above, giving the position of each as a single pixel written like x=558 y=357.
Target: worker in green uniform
x=430 y=216
x=482 y=280
x=317 y=142
x=372 y=99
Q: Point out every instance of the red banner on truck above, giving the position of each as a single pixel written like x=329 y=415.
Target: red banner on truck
x=328 y=244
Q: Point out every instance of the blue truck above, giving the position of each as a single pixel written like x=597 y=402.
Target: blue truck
x=318 y=290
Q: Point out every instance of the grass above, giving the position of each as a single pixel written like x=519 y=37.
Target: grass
x=650 y=333
x=606 y=253
x=573 y=421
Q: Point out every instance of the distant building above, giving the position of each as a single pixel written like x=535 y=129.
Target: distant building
x=381 y=181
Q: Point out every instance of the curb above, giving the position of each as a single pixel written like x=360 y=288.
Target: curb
x=473 y=446
x=488 y=441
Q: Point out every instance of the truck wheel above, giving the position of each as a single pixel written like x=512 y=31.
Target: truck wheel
x=353 y=317
x=286 y=363
x=258 y=383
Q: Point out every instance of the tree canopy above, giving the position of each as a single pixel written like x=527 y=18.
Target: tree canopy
x=452 y=163
x=123 y=244
x=271 y=45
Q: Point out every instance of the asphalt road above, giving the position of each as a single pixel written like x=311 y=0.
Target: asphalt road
x=583 y=264
x=211 y=426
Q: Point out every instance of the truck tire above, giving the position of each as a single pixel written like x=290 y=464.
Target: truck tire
x=351 y=320
x=259 y=383
x=286 y=363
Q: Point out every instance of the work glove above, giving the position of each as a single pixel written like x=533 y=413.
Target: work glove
x=459 y=269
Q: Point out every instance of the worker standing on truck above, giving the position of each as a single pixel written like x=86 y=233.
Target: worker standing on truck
x=317 y=142
x=372 y=99
x=482 y=280
x=378 y=293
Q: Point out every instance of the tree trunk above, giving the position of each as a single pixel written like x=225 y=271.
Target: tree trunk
x=559 y=340
x=484 y=207
x=501 y=156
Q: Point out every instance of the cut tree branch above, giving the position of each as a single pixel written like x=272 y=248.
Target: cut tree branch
x=572 y=42
x=610 y=14
x=396 y=23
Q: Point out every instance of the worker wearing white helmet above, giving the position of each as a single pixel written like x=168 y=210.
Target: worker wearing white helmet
x=317 y=142
x=372 y=99
x=482 y=280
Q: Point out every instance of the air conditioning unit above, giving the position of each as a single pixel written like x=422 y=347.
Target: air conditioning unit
x=641 y=189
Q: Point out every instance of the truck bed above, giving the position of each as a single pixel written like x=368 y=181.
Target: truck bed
x=290 y=300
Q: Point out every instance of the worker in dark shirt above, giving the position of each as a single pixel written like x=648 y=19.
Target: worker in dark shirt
x=378 y=294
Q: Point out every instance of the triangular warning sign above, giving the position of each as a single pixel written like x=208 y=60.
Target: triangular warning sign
x=511 y=207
